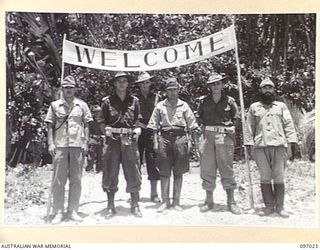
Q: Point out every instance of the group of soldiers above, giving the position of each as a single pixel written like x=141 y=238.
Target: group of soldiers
x=141 y=127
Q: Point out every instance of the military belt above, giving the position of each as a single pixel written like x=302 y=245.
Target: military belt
x=97 y=136
x=219 y=129
x=173 y=132
x=121 y=130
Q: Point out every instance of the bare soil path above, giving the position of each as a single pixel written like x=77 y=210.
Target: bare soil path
x=26 y=196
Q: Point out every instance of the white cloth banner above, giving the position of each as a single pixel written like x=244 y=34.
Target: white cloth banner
x=151 y=59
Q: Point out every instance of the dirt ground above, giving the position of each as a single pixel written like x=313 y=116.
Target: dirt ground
x=26 y=196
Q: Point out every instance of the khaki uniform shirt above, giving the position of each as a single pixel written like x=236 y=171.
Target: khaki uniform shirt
x=166 y=117
x=71 y=132
x=269 y=125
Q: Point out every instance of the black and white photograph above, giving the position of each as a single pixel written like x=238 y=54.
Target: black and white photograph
x=160 y=119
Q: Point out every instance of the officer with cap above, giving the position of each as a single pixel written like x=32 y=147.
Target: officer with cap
x=118 y=119
x=270 y=132
x=171 y=120
x=95 y=143
x=68 y=135
x=218 y=114
x=148 y=100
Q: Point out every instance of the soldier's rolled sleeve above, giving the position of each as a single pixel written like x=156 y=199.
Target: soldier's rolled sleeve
x=191 y=120
x=87 y=114
x=50 y=117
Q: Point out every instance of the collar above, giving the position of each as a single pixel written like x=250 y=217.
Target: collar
x=265 y=105
x=75 y=101
x=222 y=98
x=116 y=98
x=168 y=104
x=150 y=94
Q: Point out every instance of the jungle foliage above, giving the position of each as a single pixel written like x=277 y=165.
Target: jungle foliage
x=279 y=46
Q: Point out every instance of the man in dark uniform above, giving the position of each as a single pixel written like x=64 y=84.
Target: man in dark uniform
x=95 y=143
x=173 y=119
x=118 y=117
x=148 y=100
x=218 y=114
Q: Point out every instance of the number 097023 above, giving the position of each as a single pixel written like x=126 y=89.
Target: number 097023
x=308 y=246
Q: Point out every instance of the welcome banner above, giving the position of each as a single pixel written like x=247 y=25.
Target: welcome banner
x=152 y=59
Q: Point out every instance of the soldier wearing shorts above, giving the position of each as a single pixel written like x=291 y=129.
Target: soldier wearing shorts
x=172 y=120
x=147 y=101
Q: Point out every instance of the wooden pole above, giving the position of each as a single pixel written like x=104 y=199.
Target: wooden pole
x=250 y=193
x=62 y=64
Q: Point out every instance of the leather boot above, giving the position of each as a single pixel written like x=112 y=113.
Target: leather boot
x=208 y=204
x=232 y=206
x=165 y=192
x=111 y=210
x=154 y=193
x=177 y=185
x=268 y=199
x=279 y=190
x=135 y=210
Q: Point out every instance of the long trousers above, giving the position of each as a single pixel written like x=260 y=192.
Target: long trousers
x=68 y=164
x=216 y=151
x=95 y=155
x=114 y=153
x=271 y=162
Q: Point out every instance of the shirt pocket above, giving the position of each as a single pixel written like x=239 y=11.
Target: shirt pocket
x=163 y=114
x=113 y=112
x=60 y=114
x=76 y=111
x=129 y=114
x=179 y=114
x=259 y=112
x=276 y=112
x=75 y=130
